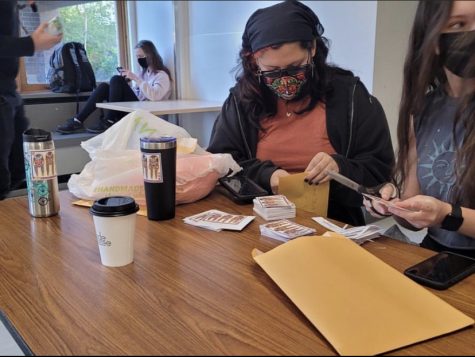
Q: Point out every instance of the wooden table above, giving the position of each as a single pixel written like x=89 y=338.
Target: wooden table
x=179 y=106
x=189 y=290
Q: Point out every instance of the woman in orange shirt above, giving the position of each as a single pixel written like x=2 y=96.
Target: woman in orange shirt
x=290 y=111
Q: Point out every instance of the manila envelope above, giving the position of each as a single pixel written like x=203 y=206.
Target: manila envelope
x=360 y=304
x=312 y=198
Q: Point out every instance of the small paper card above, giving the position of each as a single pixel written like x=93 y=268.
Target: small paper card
x=274 y=207
x=218 y=220
x=274 y=201
x=359 y=234
x=284 y=230
x=384 y=202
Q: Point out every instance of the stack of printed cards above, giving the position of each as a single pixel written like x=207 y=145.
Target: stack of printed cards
x=357 y=234
x=284 y=230
x=274 y=207
x=218 y=220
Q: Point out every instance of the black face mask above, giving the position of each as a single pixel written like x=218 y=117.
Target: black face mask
x=457 y=53
x=143 y=62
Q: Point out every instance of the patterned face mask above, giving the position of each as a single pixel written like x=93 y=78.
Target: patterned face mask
x=286 y=83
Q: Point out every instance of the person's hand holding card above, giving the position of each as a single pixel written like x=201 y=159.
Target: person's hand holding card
x=377 y=200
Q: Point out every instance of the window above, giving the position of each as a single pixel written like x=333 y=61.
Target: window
x=99 y=25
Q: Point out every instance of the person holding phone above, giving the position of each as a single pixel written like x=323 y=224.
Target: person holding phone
x=152 y=83
x=435 y=173
x=290 y=111
x=13 y=121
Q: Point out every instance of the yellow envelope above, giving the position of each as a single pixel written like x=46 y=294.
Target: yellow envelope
x=359 y=303
x=312 y=198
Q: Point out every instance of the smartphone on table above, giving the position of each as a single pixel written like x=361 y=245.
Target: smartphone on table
x=241 y=188
x=442 y=270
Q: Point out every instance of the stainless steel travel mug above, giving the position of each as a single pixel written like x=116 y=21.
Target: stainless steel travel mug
x=159 y=171
x=41 y=174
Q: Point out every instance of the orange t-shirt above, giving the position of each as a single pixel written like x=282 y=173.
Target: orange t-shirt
x=292 y=141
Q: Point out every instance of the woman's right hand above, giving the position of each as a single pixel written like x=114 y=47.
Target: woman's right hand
x=388 y=192
x=129 y=75
x=43 y=40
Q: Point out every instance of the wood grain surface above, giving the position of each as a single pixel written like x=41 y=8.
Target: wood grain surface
x=190 y=291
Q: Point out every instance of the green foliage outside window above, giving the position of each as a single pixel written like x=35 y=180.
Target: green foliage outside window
x=94 y=25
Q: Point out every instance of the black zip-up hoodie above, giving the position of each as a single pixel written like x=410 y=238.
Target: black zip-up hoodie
x=357 y=129
x=12 y=47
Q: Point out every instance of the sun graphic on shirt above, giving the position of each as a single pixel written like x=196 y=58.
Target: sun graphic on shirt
x=440 y=166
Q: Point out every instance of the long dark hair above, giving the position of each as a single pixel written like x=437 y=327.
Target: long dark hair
x=423 y=72
x=258 y=101
x=154 y=60
x=464 y=189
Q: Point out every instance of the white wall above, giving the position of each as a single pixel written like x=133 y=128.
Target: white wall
x=351 y=28
x=215 y=37
x=394 y=24
x=155 y=21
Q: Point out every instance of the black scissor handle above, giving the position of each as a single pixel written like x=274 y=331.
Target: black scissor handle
x=375 y=190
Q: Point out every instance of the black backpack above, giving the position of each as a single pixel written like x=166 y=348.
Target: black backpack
x=70 y=70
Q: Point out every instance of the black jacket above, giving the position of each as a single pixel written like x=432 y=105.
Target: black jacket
x=12 y=47
x=357 y=129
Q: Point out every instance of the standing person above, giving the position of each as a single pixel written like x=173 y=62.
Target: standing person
x=436 y=129
x=291 y=112
x=12 y=116
x=152 y=83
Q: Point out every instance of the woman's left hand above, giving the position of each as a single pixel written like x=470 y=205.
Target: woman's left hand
x=318 y=167
x=422 y=211
x=130 y=75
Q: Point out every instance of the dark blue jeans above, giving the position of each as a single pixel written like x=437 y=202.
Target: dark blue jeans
x=12 y=125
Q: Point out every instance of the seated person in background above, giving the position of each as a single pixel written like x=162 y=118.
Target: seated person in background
x=436 y=130
x=152 y=83
x=292 y=112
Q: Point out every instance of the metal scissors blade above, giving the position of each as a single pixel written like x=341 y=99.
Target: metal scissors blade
x=345 y=181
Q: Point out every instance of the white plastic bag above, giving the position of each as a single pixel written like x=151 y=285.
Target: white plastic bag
x=116 y=168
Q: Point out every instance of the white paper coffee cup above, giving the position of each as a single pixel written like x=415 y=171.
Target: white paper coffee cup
x=114 y=221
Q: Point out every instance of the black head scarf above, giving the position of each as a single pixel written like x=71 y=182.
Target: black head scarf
x=288 y=21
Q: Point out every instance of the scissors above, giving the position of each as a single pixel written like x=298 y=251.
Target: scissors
x=345 y=181
x=371 y=193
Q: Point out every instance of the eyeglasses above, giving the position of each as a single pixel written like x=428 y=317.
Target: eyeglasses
x=289 y=71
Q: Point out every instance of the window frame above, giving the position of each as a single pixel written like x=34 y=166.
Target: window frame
x=123 y=42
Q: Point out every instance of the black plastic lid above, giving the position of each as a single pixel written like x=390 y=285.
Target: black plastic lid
x=114 y=206
x=36 y=135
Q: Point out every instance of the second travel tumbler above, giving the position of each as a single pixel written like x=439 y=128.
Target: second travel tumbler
x=159 y=171
x=41 y=175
